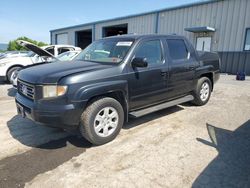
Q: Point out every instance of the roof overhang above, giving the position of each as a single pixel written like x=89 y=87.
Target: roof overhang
x=200 y=29
x=201 y=2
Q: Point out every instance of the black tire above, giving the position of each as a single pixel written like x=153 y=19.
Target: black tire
x=87 y=122
x=197 y=93
x=11 y=71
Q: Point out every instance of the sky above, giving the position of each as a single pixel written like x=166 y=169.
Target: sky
x=35 y=18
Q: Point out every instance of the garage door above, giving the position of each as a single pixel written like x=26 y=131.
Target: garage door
x=62 y=38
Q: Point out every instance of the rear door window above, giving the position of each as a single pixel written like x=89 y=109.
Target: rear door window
x=177 y=49
x=62 y=50
x=50 y=50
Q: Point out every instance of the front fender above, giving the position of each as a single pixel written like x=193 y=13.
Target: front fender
x=96 y=89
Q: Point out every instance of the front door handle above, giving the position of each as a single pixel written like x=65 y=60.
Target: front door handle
x=164 y=74
x=191 y=67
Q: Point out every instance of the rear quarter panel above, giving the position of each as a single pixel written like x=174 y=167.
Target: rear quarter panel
x=209 y=63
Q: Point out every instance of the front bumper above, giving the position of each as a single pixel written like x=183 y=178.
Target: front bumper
x=54 y=115
x=2 y=78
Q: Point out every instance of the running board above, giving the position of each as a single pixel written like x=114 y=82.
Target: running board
x=145 y=111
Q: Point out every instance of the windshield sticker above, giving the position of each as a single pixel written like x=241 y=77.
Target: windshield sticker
x=124 y=43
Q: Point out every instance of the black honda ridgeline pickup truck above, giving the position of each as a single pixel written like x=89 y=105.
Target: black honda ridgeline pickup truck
x=116 y=78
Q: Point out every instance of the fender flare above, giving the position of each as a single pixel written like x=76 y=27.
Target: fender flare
x=209 y=69
x=96 y=89
x=88 y=92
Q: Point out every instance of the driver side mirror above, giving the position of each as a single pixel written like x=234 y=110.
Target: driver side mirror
x=139 y=62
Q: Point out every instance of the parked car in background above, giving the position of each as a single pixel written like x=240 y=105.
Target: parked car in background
x=66 y=56
x=11 y=64
x=137 y=75
x=59 y=49
x=9 y=54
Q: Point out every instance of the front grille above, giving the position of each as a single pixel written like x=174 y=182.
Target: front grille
x=26 y=89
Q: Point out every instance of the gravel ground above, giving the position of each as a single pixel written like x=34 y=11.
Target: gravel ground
x=183 y=146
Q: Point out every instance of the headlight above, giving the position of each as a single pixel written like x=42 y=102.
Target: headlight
x=54 y=91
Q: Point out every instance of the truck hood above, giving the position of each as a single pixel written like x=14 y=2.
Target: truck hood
x=51 y=73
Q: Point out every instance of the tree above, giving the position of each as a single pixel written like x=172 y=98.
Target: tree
x=14 y=46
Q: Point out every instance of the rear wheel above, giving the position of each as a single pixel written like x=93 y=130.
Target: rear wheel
x=202 y=92
x=102 y=120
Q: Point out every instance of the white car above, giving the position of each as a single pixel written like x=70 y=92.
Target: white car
x=66 y=56
x=13 y=54
x=9 y=65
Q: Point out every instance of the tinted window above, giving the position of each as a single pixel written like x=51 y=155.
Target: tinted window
x=247 y=41
x=62 y=50
x=177 y=49
x=50 y=50
x=151 y=50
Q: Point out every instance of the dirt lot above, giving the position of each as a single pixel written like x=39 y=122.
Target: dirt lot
x=182 y=146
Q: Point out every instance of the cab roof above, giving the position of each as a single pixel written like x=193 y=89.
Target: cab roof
x=139 y=36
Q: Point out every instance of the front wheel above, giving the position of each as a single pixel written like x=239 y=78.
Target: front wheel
x=102 y=120
x=11 y=72
x=202 y=92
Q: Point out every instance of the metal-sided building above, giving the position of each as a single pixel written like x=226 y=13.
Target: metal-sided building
x=222 y=26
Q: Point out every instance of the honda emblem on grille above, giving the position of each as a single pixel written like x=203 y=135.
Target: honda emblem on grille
x=24 y=90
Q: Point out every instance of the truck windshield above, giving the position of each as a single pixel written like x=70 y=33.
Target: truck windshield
x=106 y=51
